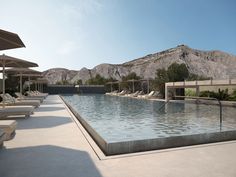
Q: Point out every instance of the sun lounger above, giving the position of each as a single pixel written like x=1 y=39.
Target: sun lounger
x=132 y=94
x=123 y=92
x=22 y=97
x=147 y=95
x=36 y=94
x=112 y=93
x=9 y=127
x=2 y=137
x=11 y=101
x=8 y=111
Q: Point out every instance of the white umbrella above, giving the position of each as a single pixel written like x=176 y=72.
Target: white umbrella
x=7 y=61
x=9 y=40
x=39 y=83
x=21 y=72
x=29 y=75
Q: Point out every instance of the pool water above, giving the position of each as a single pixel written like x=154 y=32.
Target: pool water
x=119 y=119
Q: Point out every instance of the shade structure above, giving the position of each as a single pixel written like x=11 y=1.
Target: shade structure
x=29 y=75
x=39 y=83
x=133 y=80
x=8 y=61
x=20 y=72
x=9 y=40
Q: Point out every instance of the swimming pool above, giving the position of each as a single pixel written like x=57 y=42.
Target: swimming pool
x=123 y=119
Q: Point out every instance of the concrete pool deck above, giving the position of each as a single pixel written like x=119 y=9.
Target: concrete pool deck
x=53 y=143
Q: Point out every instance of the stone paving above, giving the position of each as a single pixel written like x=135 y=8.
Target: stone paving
x=52 y=143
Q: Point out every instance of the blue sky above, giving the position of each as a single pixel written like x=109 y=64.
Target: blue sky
x=84 y=33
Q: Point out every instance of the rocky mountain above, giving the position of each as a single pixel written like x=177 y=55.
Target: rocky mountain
x=215 y=64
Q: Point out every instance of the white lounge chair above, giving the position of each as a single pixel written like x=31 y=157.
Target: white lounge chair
x=22 y=97
x=132 y=94
x=2 y=137
x=147 y=95
x=36 y=94
x=9 y=127
x=11 y=101
x=9 y=111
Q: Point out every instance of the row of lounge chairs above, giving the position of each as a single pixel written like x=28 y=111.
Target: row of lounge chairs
x=137 y=94
x=20 y=106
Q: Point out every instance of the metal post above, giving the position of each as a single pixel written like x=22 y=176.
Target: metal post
x=220 y=114
x=3 y=78
x=133 y=86
x=3 y=82
x=21 y=83
x=166 y=92
x=29 y=82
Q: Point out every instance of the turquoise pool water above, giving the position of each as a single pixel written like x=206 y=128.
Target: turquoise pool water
x=119 y=119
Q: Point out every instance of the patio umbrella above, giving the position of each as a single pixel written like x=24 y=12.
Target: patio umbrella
x=110 y=83
x=29 y=75
x=40 y=82
x=9 y=40
x=133 y=80
x=20 y=72
x=8 y=61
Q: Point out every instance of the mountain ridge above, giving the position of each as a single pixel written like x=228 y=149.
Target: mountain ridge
x=213 y=63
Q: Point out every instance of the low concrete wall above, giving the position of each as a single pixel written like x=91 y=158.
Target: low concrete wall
x=61 y=89
x=170 y=142
x=116 y=148
x=86 y=89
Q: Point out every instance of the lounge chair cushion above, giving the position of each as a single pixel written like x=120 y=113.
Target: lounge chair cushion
x=16 y=111
x=9 y=127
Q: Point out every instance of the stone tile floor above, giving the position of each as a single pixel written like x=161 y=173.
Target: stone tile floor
x=51 y=143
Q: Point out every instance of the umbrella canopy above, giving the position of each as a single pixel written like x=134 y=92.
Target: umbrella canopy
x=9 y=40
x=29 y=75
x=21 y=72
x=7 y=61
x=42 y=80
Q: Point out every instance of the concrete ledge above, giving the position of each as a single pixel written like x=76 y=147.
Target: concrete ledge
x=116 y=148
x=169 y=142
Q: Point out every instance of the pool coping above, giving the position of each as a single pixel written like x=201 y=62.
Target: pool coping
x=104 y=149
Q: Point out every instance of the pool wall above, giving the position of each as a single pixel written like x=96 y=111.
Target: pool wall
x=115 y=148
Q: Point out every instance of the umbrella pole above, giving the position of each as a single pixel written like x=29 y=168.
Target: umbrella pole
x=29 y=82
x=3 y=83
x=21 y=83
x=133 y=86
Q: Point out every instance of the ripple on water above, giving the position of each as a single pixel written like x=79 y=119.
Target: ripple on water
x=123 y=119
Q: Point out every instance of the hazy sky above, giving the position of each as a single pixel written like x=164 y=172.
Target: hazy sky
x=83 y=33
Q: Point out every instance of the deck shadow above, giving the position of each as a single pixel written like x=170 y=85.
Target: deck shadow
x=46 y=161
x=42 y=122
